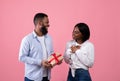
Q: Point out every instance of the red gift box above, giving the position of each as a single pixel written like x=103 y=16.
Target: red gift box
x=55 y=58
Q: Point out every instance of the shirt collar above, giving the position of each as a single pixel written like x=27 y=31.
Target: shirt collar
x=35 y=35
x=82 y=43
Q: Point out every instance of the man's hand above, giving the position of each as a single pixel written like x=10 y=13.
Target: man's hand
x=46 y=64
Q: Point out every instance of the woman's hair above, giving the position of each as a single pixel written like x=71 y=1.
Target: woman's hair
x=84 y=29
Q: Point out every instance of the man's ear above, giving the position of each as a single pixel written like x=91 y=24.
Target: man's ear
x=39 y=23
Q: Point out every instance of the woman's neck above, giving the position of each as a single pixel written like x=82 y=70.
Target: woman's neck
x=79 y=41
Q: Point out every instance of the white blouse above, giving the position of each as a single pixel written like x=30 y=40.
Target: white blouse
x=82 y=58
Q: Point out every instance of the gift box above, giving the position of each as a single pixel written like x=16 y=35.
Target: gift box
x=55 y=58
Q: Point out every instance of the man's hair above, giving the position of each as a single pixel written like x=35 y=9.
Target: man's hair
x=84 y=29
x=38 y=17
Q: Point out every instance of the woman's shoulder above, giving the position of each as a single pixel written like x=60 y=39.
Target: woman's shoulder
x=88 y=43
x=71 y=41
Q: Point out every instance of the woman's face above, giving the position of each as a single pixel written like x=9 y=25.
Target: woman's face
x=76 y=34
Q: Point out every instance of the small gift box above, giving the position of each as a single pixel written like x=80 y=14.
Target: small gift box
x=55 y=58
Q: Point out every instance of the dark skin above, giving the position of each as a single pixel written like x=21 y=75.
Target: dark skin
x=41 y=23
x=77 y=35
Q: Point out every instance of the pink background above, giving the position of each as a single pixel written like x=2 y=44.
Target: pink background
x=103 y=17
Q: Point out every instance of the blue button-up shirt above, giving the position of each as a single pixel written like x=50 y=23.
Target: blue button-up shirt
x=31 y=54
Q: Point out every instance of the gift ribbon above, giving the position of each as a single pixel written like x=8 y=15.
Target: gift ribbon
x=55 y=57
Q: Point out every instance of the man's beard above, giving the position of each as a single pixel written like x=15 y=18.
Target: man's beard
x=44 y=30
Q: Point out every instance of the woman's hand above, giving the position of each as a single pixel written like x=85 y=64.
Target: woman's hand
x=74 y=48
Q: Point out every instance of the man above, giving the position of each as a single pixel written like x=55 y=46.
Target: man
x=35 y=48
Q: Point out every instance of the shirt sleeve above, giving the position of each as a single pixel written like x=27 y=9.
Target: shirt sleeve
x=86 y=55
x=51 y=46
x=67 y=54
x=24 y=53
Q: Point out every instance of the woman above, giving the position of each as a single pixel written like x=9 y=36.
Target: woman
x=79 y=54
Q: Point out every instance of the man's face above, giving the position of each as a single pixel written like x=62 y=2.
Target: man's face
x=45 y=22
x=44 y=26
